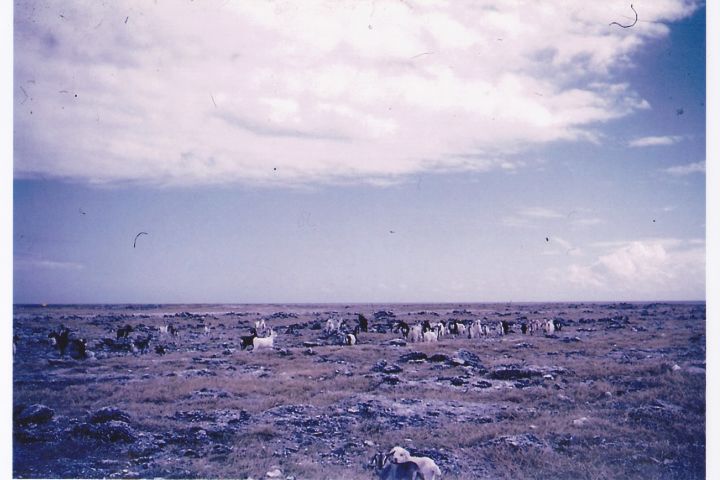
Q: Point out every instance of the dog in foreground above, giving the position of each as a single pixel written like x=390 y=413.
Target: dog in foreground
x=398 y=464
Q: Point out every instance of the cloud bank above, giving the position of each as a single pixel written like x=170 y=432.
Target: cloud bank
x=655 y=141
x=650 y=268
x=269 y=92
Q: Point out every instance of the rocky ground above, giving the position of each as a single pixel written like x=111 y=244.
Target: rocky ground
x=619 y=392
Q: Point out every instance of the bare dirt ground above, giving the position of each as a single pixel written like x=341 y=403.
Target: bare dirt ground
x=619 y=392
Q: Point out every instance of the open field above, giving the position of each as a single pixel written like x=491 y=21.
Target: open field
x=619 y=392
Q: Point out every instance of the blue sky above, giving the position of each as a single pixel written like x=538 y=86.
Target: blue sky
x=390 y=153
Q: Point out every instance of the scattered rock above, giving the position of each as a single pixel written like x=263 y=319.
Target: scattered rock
x=109 y=413
x=397 y=342
x=439 y=357
x=111 y=431
x=36 y=413
x=511 y=373
x=580 y=422
x=275 y=473
x=392 y=369
x=391 y=379
x=413 y=357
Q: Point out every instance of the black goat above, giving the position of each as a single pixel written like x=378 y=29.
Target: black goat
x=363 y=322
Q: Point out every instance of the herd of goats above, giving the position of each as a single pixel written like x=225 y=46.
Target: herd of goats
x=398 y=463
x=262 y=338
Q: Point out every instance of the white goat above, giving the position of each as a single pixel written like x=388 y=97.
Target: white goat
x=549 y=327
x=461 y=328
x=350 y=339
x=260 y=326
x=263 y=342
x=430 y=336
x=475 y=329
x=415 y=334
x=428 y=467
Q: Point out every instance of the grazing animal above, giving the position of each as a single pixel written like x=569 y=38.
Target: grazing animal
x=362 y=322
x=430 y=336
x=172 y=330
x=331 y=325
x=263 y=342
x=403 y=327
x=440 y=329
x=387 y=470
x=428 y=467
x=523 y=328
x=123 y=332
x=160 y=349
x=164 y=329
x=549 y=327
x=78 y=348
x=247 y=340
x=461 y=329
x=142 y=344
x=350 y=338
x=453 y=327
x=260 y=326
x=475 y=329
x=535 y=326
x=426 y=327
x=415 y=334
x=557 y=323
x=60 y=340
x=505 y=326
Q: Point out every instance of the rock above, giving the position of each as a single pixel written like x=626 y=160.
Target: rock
x=580 y=422
x=676 y=367
x=275 y=473
x=309 y=351
x=391 y=379
x=439 y=357
x=397 y=342
x=111 y=431
x=36 y=413
x=379 y=366
x=511 y=373
x=413 y=357
x=457 y=381
x=571 y=339
x=548 y=377
x=483 y=384
x=311 y=344
x=392 y=369
x=109 y=413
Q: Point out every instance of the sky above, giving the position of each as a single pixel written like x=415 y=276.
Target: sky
x=399 y=151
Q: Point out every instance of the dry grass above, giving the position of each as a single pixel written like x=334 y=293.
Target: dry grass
x=643 y=419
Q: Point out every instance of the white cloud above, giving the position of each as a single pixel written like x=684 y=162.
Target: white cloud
x=655 y=141
x=540 y=212
x=652 y=268
x=697 y=167
x=39 y=263
x=296 y=92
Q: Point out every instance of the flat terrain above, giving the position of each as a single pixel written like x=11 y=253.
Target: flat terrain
x=619 y=392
